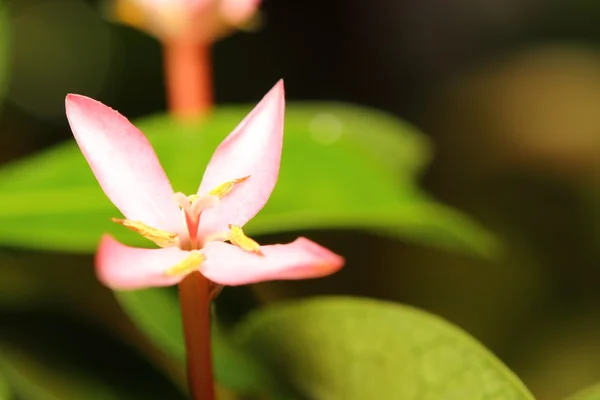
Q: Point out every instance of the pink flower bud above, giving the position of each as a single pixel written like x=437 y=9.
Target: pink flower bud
x=199 y=20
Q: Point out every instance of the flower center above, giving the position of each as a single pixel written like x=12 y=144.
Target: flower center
x=192 y=208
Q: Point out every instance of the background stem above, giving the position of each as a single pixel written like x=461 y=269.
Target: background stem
x=188 y=76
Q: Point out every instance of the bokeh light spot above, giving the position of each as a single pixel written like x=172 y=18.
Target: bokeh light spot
x=326 y=128
x=60 y=47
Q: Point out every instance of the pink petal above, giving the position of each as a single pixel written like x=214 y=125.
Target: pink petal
x=122 y=267
x=124 y=163
x=165 y=6
x=253 y=148
x=227 y=264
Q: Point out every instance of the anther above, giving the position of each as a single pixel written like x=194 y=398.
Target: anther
x=161 y=238
x=189 y=264
x=237 y=237
x=224 y=189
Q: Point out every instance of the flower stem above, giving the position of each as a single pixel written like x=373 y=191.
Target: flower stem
x=195 y=311
x=188 y=76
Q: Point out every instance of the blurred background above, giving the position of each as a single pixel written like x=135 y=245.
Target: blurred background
x=507 y=90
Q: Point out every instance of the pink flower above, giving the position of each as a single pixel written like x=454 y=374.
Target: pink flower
x=201 y=232
x=203 y=20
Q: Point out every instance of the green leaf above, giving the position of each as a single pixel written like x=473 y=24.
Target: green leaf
x=156 y=312
x=348 y=348
x=590 y=393
x=343 y=167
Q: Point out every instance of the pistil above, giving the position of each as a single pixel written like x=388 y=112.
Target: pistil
x=192 y=207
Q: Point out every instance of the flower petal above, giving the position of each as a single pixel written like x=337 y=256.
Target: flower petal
x=238 y=11
x=229 y=265
x=122 y=267
x=252 y=149
x=124 y=163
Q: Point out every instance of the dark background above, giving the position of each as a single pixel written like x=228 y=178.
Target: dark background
x=508 y=91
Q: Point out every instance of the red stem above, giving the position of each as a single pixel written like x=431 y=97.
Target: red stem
x=188 y=80
x=188 y=77
x=194 y=297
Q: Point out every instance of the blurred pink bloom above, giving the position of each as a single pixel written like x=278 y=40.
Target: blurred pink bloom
x=202 y=20
x=192 y=231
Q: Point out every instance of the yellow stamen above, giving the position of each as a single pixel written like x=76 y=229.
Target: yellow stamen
x=161 y=238
x=189 y=264
x=238 y=238
x=223 y=189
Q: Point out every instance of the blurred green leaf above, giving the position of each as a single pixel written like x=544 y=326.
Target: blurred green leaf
x=343 y=167
x=590 y=393
x=31 y=379
x=4 y=47
x=5 y=392
x=45 y=356
x=156 y=312
x=349 y=348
